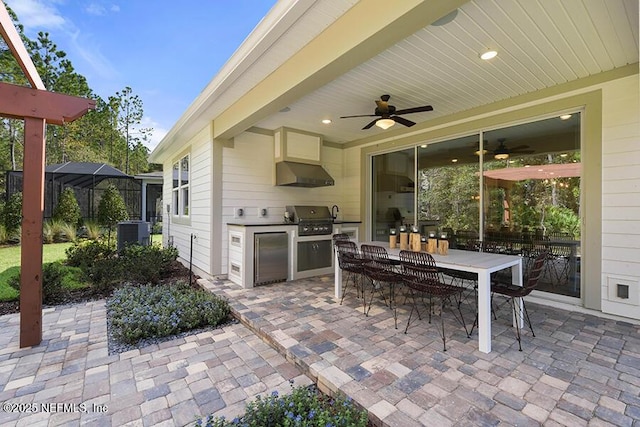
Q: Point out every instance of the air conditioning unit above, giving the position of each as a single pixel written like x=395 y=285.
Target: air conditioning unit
x=130 y=232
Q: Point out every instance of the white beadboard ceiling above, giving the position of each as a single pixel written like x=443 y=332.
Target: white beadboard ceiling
x=540 y=43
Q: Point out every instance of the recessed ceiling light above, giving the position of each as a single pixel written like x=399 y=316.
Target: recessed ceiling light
x=454 y=160
x=565 y=117
x=326 y=121
x=490 y=54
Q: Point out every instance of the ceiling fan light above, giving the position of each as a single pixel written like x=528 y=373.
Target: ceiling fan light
x=385 y=123
x=477 y=152
x=501 y=156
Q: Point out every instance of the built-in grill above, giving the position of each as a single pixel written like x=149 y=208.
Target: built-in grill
x=311 y=220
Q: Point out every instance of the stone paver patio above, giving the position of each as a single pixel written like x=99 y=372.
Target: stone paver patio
x=579 y=369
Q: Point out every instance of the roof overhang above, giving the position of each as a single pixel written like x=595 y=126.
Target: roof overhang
x=340 y=47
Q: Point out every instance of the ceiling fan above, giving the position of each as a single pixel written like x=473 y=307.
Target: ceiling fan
x=502 y=152
x=388 y=115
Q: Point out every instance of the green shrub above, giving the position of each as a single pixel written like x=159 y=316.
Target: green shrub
x=147 y=311
x=68 y=232
x=56 y=280
x=92 y=230
x=157 y=228
x=4 y=236
x=13 y=214
x=56 y=231
x=304 y=406
x=104 y=273
x=67 y=210
x=111 y=209
x=146 y=264
x=104 y=267
x=48 y=232
x=85 y=254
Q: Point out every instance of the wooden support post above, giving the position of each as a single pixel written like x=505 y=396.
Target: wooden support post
x=31 y=254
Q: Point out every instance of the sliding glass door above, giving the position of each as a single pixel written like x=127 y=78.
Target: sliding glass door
x=393 y=192
x=513 y=190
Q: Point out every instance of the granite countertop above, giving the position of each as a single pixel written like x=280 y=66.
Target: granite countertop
x=260 y=224
x=273 y=224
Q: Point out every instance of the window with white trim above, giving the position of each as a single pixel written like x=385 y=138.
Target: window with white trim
x=180 y=188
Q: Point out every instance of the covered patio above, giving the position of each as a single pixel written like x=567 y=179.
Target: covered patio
x=578 y=370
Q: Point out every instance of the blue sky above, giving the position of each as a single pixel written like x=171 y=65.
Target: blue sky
x=166 y=51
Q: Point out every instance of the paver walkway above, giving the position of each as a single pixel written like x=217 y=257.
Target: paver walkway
x=578 y=370
x=71 y=380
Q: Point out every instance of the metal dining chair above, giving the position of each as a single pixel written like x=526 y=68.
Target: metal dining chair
x=514 y=293
x=351 y=262
x=382 y=273
x=422 y=278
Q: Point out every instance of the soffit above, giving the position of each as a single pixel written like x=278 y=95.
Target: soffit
x=541 y=44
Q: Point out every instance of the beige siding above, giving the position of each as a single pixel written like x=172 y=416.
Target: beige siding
x=621 y=193
x=248 y=169
x=199 y=222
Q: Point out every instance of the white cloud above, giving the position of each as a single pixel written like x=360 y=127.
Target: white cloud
x=95 y=9
x=93 y=56
x=157 y=133
x=99 y=9
x=37 y=14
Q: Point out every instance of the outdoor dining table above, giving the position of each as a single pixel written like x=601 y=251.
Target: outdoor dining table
x=481 y=263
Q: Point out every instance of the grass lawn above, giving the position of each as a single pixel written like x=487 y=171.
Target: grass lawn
x=10 y=265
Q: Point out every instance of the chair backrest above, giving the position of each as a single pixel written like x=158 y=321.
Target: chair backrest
x=377 y=254
x=420 y=267
x=535 y=271
x=348 y=253
x=340 y=236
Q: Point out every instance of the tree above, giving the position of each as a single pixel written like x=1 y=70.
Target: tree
x=68 y=210
x=128 y=112
x=109 y=134
x=111 y=209
x=11 y=130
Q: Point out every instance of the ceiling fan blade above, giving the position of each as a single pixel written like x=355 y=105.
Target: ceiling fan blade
x=415 y=110
x=360 y=115
x=370 y=124
x=403 y=121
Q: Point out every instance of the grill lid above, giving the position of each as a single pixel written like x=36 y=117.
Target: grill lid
x=303 y=213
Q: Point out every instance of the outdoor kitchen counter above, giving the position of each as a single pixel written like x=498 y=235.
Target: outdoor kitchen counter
x=273 y=224
x=241 y=244
x=260 y=224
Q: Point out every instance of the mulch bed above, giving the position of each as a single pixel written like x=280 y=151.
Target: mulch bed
x=177 y=272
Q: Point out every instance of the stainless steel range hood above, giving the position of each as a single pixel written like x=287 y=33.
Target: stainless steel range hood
x=294 y=174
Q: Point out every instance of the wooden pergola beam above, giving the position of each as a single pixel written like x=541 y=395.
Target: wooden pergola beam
x=20 y=102
x=37 y=107
x=13 y=40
